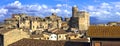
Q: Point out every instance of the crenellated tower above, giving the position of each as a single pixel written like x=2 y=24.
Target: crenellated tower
x=79 y=19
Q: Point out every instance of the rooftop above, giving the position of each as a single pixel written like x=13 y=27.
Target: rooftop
x=4 y=30
x=104 y=31
x=35 y=42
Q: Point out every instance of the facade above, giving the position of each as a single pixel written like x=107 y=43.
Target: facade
x=53 y=37
x=61 y=35
x=73 y=36
x=9 y=36
x=45 y=37
x=32 y=23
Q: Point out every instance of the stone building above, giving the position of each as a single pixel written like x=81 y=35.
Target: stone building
x=24 y=26
x=9 y=36
x=113 y=23
x=79 y=19
x=10 y=22
x=54 y=21
x=64 y=26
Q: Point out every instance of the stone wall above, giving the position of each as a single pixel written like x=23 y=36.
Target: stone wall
x=83 y=20
x=13 y=36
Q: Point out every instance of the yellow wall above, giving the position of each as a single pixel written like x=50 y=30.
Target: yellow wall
x=62 y=36
x=34 y=25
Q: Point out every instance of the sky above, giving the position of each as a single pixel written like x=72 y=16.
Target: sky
x=101 y=11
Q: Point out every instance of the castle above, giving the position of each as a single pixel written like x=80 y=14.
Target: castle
x=48 y=28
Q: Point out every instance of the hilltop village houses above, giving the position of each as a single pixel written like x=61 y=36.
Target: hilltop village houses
x=22 y=28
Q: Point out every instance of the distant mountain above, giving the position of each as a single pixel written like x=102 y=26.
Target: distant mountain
x=95 y=20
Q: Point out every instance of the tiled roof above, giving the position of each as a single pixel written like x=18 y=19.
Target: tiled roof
x=80 y=40
x=35 y=42
x=71 y=34
x=104 y=31
x=36 y=36
x=60 y=31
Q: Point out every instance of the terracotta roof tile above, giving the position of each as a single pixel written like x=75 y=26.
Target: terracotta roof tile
x=80 y=40
x=36 y=36
x=72 y=34
x=104 y=31
x=60 y=31
x=35 y=42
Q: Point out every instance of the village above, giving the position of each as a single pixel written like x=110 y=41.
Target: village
x=20 y=28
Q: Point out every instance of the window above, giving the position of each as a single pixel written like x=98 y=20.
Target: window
x=37 y=27
x=33 y=26
x=50 y=25
x=59 y=36
x=55 y=37
x=97 y=44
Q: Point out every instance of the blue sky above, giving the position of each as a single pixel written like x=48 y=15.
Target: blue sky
x=101 y=11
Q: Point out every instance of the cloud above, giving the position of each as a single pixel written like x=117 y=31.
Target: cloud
x=105 y=12
x=67 y=12
x=117 y=13
x=14 y=5
x=91 y=8
x=3 y=12
x=59 y=5
x=41 y=10
x=44 y=6
x=102 y=11
x=55 y=10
